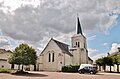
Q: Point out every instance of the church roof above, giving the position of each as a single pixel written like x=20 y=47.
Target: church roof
x=79 y=29
x=62 y=46
x=90 y=58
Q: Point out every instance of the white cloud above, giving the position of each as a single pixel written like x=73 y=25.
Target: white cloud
x=92 y=51
x=105 y=44
x=114 y=47
x=92 y=37
x=95 y=57
x=35 y=21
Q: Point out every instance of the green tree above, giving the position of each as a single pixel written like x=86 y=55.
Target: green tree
x=99 y=62
x=116 y=60
x=108 y=61
x=23 y=55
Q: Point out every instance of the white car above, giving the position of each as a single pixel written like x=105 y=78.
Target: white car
x=84 y=65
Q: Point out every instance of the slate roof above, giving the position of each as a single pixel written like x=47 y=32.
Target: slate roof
x=115 y=53
x=79 y=29
x=90 y=59
x=62 y=46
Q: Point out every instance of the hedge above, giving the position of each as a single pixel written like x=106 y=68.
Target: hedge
x=70 y=68
x=4 y=70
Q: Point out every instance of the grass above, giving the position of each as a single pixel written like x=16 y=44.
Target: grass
x=15 y=72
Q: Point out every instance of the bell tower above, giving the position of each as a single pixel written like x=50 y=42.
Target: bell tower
x=79 y=46
x=78 y=40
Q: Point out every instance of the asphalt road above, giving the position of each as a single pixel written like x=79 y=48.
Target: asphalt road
x=60 y=75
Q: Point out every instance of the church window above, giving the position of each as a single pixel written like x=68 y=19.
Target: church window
x=49 y=57
x=53 y=57
x=84 y=45
x=78 y=44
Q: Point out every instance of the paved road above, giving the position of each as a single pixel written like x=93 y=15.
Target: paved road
x=60 y=75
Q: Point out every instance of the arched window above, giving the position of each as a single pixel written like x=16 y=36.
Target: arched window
x=53 y=57
x=78 y=44
x=49 y=57
x=84 y=45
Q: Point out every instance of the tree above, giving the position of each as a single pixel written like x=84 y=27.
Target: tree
x=105 y=61
x=99 y=62
x=23 y=55
x=108 y=61
x=116 y=60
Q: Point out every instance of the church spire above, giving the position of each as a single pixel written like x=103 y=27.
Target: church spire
x=79 y=29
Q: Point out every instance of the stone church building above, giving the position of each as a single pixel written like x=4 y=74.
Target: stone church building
x=57 y=54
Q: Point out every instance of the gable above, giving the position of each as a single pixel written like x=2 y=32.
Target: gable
x=56 y=45
x=4 y=54
x=51 y=45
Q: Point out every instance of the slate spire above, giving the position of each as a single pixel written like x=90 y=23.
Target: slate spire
x=79 y=29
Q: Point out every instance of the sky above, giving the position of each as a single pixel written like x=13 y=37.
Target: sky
x=35 y=21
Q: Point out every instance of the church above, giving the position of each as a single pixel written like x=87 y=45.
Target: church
x=57 y=54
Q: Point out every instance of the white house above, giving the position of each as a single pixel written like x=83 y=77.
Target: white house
x=57 y=54
x=4 y=55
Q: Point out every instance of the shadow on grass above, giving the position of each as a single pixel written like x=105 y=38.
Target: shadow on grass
x=31 y=75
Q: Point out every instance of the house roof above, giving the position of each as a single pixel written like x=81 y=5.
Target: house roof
x=62 y=46
x=115 y=53
x=4 y=51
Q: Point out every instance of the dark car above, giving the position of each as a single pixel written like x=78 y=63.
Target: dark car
x=88 y=69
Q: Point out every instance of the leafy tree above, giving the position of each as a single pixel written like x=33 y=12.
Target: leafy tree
x=99 y=62
x=105 y=61
x=116 y=60
x=108 y=61
x=23 y=55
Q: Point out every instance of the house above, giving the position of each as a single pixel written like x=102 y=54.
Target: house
x=4 y=55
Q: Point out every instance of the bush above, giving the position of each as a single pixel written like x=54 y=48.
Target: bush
x=4 y=70
x=70 y=68
x=20 y=72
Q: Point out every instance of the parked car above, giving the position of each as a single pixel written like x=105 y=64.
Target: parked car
x=87 y=69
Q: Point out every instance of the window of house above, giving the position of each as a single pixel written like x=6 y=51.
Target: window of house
x=49 y=57
x=53 y=56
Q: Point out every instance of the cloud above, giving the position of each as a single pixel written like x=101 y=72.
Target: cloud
x=92 y=37
x=35 y=21
x=114 y=47
x=3 y=41
x=95 y=57
x=105 y=44
x=92 y=51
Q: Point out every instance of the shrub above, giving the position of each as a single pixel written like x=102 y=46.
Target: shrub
x=4 y=70
x=70 y=68
x=20 y=72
